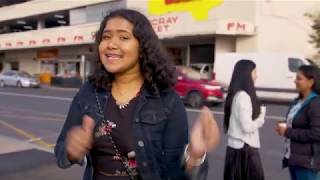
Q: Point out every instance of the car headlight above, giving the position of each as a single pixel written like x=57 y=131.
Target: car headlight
x=210 y=87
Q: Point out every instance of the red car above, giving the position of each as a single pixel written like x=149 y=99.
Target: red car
x=196 y=91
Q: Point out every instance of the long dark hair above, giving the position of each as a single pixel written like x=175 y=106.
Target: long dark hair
x=241 y=81
x=155 y=66
x=311 y=72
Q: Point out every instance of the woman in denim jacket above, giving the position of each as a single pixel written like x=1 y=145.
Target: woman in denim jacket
x=127 y=122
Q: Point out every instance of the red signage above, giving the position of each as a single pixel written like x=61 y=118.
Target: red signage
x=61 y=39
x=32 y=42
x=78 y=38
x=8 y=44
x=236 y=26
x=19 y=43
x=175 y=1
x=162 y=24
x=46 y=41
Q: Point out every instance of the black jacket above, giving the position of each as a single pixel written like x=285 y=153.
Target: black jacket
x=305 y=136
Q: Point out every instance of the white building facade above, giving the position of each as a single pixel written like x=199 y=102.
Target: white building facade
x=52 y=36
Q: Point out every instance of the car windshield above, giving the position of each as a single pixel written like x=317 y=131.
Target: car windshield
x=196 y=67
x=24 y=74
x=190 y=73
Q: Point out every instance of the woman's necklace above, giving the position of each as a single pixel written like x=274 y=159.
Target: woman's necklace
x=123 y=105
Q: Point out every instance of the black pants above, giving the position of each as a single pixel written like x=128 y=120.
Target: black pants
x=243 y=164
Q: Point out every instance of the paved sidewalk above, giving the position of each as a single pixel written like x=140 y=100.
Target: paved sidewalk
x=22 y=160
x=9 y=145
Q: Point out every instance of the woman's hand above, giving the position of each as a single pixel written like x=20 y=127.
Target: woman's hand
x=281 y=128
x=204 y=136
x=79 y=139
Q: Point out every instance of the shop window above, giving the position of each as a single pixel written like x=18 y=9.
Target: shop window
x=69 y=69
x=50 y=67
x=4 y=3
x=14 y=65
x=19 y=25
x=178 y=55
x=57 y=19
x=202 y=53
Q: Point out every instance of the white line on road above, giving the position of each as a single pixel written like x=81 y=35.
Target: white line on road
x=32 y=111
x=69 y=99
x=36 y=96
x=222 y=113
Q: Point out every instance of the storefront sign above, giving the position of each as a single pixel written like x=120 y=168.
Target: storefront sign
x=47 y=54
x=162 y=24
x=173 y=18
x=80 y=34
x=198 y=8
x=236 y=28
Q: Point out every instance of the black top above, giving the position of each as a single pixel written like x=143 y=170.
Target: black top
x=107 y=165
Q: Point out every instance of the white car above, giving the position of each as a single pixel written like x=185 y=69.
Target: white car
x=205 y=70
x=19 y=79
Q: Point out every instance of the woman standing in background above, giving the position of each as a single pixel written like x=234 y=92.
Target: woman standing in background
x=243 y=118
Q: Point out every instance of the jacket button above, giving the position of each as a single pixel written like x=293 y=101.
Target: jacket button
x=144 y=164
x=86 y=107
x=137 y=120
x=141 y=143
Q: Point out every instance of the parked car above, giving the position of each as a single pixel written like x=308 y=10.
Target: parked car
x=205 y=69
x=195 y=90
x=19 y=79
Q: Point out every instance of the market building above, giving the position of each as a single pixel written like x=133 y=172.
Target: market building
x=56 y=37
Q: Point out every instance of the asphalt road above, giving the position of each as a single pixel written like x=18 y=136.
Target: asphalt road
x=31 y=119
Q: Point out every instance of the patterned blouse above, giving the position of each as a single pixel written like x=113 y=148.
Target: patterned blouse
x=107 y=163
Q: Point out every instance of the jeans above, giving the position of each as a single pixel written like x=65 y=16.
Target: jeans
x=300 y=173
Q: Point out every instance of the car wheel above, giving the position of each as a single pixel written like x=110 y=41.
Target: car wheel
x=2 y=84
x=19 y=84
x=195 y=99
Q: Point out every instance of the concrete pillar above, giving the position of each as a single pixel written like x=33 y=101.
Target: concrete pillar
x=188 y=55
x=83 y=67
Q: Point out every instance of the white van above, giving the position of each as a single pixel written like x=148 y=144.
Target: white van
x=276 y=72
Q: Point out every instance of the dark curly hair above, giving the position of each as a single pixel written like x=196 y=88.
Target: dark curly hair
x=155 y=66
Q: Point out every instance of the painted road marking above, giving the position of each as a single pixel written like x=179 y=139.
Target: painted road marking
x=222 y=113
x=31 y=137
x=36 y=96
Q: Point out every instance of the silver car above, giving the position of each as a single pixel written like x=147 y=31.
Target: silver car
x=18 y=78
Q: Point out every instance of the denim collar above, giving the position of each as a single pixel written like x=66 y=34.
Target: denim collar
x=307 y=101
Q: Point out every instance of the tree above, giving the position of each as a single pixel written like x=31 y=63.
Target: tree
x=315 y=36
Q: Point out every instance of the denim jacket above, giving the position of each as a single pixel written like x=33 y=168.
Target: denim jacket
x=160 y=131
